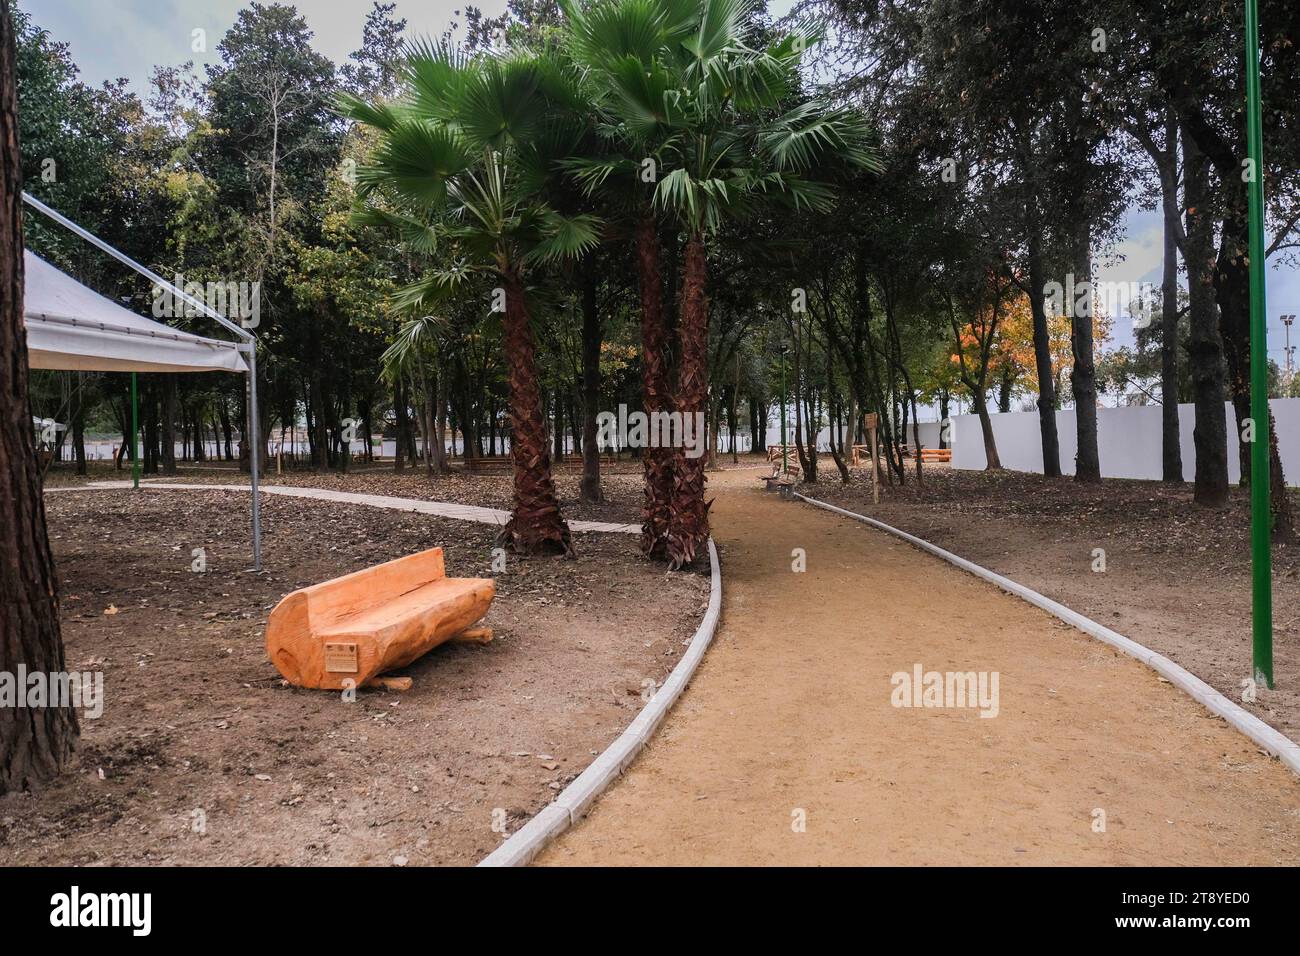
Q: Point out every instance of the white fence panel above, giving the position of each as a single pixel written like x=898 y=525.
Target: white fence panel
x=1128 y=440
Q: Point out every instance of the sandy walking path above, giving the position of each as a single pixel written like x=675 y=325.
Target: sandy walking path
x=790 y=718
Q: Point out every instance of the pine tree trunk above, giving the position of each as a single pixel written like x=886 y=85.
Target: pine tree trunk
x=657 y=463
x=535 y=524
x=35 y=742
x=689 y=518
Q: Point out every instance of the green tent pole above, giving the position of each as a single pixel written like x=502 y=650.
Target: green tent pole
x=135 y=434
x=1260 y=521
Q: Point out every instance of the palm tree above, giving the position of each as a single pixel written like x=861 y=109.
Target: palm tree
x=679 y=79
x=613 y=44
x=460 y=173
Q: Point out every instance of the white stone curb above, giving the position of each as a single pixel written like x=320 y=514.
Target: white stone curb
x=1273 y=741
x=576 y=799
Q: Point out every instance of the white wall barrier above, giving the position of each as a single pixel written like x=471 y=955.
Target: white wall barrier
x=1128 y=440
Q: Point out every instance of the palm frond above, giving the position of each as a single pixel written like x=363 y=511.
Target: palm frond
x=383 y=116
x=802 y=137
x=415 y=160
x=412 y=343
x=565 y=237
x=420 y=237
x=435 y=75
x=501 y=102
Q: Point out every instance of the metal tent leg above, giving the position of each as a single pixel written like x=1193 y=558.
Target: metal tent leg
x=135 y=434
x=254 y=455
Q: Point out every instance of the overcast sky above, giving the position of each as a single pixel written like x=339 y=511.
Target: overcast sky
x=127 y=38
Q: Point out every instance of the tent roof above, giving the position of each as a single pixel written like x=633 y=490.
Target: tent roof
x=71 y=326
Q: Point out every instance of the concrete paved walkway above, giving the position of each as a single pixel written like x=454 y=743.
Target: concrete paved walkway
x=791 y=745
x=442 y=509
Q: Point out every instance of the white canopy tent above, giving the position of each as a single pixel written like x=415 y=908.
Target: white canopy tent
x=72 y=327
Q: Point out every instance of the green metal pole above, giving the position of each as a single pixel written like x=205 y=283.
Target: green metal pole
x=1260 y=523
x=135 y=434
x=785 y=454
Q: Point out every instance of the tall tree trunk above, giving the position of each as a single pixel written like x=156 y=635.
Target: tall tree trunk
x=589 y=489
x=1043 y=360
x=440 y=423
x=807 y=458
x=657 y=463
x=399 y=427
x=688 y=527
x=1204 y=345
x=733 y=420
x=77 y=416
x=149 y=422
x=535 y=524
x=1232 y=288
x=227 y=429
x=1005 y=381
x=320 y=436
x=993 y=461
x=1170 y=439
x=169 y=424
x=35 y=742
x=1083 y=374
x=557 y=435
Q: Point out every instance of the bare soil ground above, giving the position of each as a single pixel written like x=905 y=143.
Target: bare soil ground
x=786 y=749
x=198 y=726
x=1177 y=577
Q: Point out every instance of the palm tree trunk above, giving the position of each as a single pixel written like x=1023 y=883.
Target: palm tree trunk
x=688 y=525
x=35 y=742
x=656 y=462
x=535 y=524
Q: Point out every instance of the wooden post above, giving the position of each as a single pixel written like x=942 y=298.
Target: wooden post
x=869 y=427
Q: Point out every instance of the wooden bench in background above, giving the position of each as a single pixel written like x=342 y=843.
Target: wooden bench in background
x=936 y=454
x=791 y=460
x=357 y=627
x=488 y=464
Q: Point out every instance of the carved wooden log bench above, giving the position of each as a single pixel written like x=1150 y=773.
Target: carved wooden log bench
x=359 y=626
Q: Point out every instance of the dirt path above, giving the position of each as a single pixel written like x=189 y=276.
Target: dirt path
x=790 y=718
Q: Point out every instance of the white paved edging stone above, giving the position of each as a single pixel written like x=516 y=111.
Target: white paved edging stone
x=576 y=799
x=441 y=509
x=1271 y=740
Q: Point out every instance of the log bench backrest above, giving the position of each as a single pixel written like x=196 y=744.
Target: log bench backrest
x=331 y=601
